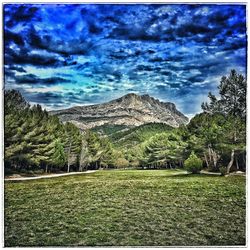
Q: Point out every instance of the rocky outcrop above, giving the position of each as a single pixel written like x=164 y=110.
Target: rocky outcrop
x=130 y=110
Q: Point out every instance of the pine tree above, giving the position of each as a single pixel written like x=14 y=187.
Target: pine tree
x=164 y=149
x=84 y=156
x=106 y=157
x=72 y=144
x=32 y=137
x=232 y=104
x=58 y=156
x=95 y=150
x=232 y=101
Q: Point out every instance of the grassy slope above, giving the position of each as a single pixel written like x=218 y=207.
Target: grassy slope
x=129 y=207
x=123 y=136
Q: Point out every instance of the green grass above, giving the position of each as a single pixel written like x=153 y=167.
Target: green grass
x=126 y=208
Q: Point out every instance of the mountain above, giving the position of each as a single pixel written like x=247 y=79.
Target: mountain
x=130 y=110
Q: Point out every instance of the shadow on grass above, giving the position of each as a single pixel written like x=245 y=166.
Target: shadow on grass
x=188 y=175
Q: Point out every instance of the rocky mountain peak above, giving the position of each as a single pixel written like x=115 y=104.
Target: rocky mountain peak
x=130 y=110
x=131 y=97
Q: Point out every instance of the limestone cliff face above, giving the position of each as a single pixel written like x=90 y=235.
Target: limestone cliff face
x=130 y=110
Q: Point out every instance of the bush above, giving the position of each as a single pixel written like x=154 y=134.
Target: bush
x=223 y=171
x=121 y=163
x=193 y=164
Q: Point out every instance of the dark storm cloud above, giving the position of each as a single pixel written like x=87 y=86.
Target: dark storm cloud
x=141 y=67
x=8 y=73
x=25 y=57
x=64 y=47
x=57 y=100
x=235 y=45
x=33 y=79
x=45 y=98
x=197 y=78
x=191 y=29
x=220 y=18
x=20 y=14
x=13 y=37
x=17 y=68
x=133 y=33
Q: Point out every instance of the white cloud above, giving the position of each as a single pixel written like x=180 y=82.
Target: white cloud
x=44 y=89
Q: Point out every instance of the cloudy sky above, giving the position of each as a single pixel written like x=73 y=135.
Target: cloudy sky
x=66 y=55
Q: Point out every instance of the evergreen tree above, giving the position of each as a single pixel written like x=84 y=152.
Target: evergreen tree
x=32 y=137
x=58 y=157
x=94 y=148
x=73 y=141
x=232 y=104
x=165 y=149
x=206 y=133
x=232 y=101
x=106 y=158
x=84 y=156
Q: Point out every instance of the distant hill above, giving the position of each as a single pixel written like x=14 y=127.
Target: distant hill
x=123 y=136
x=129 y=111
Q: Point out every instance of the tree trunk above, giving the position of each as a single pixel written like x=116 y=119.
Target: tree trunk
x=80 y=168
x=244 y=161
x=86 y=166
x=206 y=160
x=46 y=169
x=231 y=161
x=215 y=158
x=69 y=152
x=83 y=156
x=209 y=154
x=237 y=163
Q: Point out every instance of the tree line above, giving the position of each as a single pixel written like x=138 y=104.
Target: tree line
x=217 y=135
x=35 y=140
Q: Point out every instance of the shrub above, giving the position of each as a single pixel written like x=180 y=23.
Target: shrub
x=121 y=163
x=193 y=164
x=223 y=170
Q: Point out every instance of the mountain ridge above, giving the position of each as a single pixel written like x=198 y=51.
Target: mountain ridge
x=130 y=110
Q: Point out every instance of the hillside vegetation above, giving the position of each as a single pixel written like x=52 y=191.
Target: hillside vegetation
x=123 y=136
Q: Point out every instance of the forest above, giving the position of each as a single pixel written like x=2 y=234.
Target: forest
x=215 y=139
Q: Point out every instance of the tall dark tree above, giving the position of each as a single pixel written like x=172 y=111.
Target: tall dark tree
x=33 y=138
x=232 y=103
x=95 y=149
x=73 y=142
x=84 y=158
x=208 y=129
x=165 y=149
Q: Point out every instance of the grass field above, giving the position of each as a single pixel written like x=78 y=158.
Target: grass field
x=126 y=208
